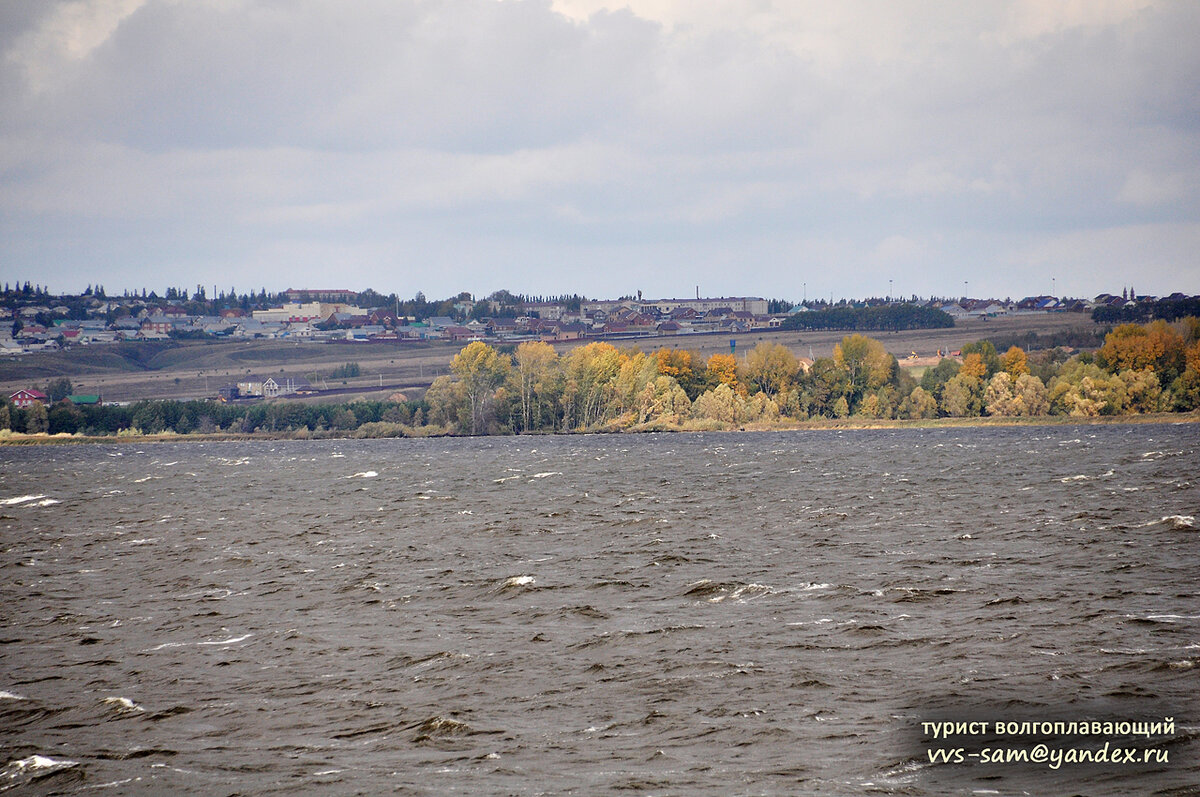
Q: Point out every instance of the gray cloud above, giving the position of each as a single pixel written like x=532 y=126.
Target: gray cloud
x=476 y=144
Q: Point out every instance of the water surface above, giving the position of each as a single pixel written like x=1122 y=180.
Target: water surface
x=769 y=613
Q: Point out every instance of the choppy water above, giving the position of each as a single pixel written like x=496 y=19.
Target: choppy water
x=687 y=614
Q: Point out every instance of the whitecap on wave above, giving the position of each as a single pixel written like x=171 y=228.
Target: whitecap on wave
x=28 y=499
x=123 y=705
x=366 y=474
x=35 y=764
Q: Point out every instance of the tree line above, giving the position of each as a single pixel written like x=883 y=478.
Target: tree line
x=598 y=387
x=1165 y=309
x=1140 y=368
x=888 y=317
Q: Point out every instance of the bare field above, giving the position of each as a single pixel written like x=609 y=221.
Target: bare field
x=186 y=370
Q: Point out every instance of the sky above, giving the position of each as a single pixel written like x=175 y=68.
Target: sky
x=776 y=148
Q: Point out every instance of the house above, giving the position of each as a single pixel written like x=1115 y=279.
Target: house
x=502 y=326
x=82 y=399
x=25 y=399
x=162 y=324
x=323 y=295
x=273 y=386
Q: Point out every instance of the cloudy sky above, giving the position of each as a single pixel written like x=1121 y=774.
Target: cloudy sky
x=764 y=147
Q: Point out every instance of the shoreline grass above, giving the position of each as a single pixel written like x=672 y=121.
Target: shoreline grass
x=9 y=438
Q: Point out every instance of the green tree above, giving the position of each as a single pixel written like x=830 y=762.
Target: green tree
x=920 y=403
x=64 y=417
x=36 y=418
x=59 y=389
x=866 y=363
x=962 y=396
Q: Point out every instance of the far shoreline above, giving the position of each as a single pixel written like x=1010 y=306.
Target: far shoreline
x=17 y=439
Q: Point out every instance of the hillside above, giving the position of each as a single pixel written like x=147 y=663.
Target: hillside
x=193 y=369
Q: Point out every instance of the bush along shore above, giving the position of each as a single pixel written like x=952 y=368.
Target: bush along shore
x=1141 y=371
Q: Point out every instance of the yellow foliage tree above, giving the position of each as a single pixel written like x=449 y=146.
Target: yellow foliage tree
x=480 y=370
x=1133 y=347
x=722 y=370
x=588 y=372
x=1014 y=362
x=973 y=366
x=678 y=364
x=536 y=362
x=865 y=362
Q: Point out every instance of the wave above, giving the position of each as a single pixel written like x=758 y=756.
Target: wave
x=20 y=499
x=715 y=592
x=123 y=705
x=516 y=582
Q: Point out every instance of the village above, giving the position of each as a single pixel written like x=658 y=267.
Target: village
x=47 y=322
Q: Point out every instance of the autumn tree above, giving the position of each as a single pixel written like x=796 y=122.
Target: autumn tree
x=721 y=369
x=974 y=366
x=534 y=372
x=719 y=404
x=587 y=374
x=480 y=370
x=663 y=400
x=443 y=399
x=635 y=371
x=866 y=363
x=679 y=364
x=1085 y=390
x=987 y=354
x=770 y=368
x=1014 y=362
x=1134 y=347
x=1143 y=392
